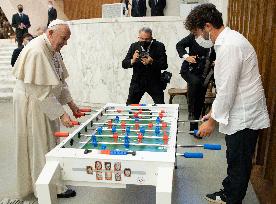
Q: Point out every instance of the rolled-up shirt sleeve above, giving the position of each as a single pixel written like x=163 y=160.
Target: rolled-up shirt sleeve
x=227 y=72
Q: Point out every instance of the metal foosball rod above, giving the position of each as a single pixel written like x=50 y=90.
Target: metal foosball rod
x=135 y=115
x=141 y=119
x=141 y=129
x=131 y=124
x=190 y=121
x=134 y=110
x=123 y=136
x=130 y=144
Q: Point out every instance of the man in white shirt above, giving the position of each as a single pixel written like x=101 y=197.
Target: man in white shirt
x=240 y=105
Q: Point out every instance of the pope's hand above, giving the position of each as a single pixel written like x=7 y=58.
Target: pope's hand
x=75 y=109
x=66 y=121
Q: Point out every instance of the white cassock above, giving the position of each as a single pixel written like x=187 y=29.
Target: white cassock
x=39 y=94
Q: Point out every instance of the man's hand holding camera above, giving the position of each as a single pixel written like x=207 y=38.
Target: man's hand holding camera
x=146 y=59
x=143 y=57
x=135 y=57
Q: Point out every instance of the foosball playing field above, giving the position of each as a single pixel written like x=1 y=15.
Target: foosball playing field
x=118 y=145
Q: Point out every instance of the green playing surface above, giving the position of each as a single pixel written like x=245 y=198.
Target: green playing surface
x=133 y=132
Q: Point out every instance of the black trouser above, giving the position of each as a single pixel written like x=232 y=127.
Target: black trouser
x=195 y=95
x=134 y=97
x=240 y=149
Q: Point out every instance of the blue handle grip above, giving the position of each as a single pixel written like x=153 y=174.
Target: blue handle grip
x=195 y=132
x=193 y=155
x=212 y=146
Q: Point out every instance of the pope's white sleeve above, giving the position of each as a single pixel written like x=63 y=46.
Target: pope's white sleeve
x=65 y=96
x=51 y=107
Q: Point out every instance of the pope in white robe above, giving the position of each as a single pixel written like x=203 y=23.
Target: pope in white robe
x=39 y=95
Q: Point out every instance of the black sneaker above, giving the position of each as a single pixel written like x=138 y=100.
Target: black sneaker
x=67 y=194
x=217 y=197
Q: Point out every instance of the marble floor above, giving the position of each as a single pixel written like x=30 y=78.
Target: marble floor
x=192 y=180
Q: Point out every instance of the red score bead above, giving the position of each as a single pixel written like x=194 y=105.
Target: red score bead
x=150 y=125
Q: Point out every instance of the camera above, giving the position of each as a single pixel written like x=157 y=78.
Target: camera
x=143 y=54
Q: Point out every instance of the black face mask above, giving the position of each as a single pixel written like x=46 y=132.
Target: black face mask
x=145 y=44
x=20 y=10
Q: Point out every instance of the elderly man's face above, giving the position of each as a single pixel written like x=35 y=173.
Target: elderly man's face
x=143 y=36
x=59 y=37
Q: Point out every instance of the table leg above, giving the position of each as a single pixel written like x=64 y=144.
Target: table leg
x=46 y=184
x=164 y=185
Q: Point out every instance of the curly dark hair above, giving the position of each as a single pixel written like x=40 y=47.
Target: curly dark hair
x=202 y=14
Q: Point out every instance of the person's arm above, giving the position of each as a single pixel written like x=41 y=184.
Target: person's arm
x=183 y=44
x=127 y=62
x=54 y=14
x=228 y=67
x=160 y=61
x=14 y=56
x=14 y=23
x=28 y=24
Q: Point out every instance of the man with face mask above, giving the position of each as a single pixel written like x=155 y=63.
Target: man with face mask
x=52 y=12
x=21 y=23
x=194 y=71
x=39 y=95
x=240 y=104
x=27 y=37
x=147 y=57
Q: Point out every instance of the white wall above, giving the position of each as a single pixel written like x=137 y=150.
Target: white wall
x=97 y=47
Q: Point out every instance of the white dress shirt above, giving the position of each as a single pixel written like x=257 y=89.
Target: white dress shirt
x=240 y=101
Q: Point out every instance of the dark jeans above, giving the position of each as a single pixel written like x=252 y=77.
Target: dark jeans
x=195 y=96
x=135 y=97
x=240 y=149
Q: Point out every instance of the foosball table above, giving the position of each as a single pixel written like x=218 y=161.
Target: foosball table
x=118 y=145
